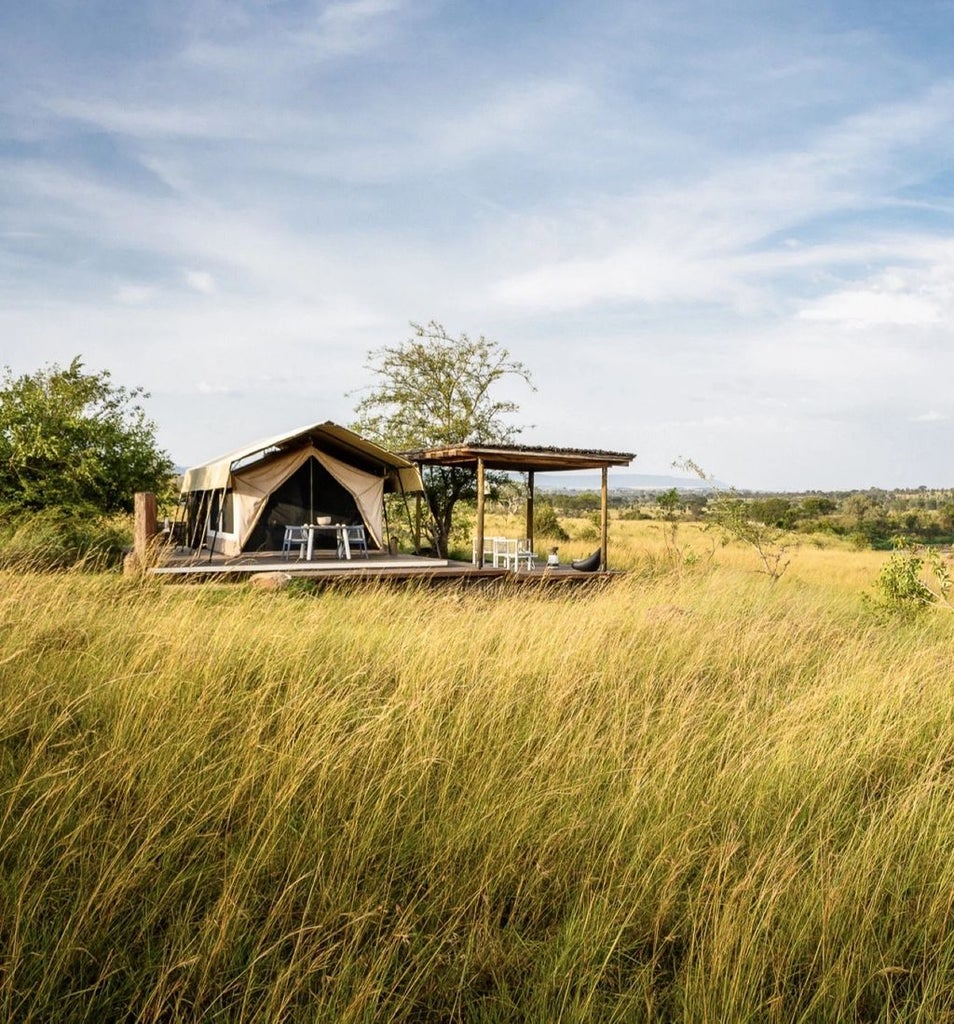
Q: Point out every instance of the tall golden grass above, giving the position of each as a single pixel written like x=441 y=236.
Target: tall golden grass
x=688 y=796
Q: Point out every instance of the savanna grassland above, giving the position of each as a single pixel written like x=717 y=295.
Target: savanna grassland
x=692 y=795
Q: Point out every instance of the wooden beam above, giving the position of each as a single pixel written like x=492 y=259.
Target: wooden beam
x=145 y=530
x=604 y=520
x=146 y=525
x=479 y=553
x=530 y=508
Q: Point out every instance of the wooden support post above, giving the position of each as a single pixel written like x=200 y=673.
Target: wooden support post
x=146 y=524
x=530 y=508
x=479 y=552
x=145 y=529
x=604 y=519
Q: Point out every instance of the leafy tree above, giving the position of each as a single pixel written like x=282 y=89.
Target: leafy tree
x=669 y=506
x=435 y=390
x=74 y=440
x=733 y=515
x=813 y=507
x=773 y=511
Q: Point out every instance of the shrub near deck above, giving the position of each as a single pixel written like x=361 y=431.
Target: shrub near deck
x=224 y=804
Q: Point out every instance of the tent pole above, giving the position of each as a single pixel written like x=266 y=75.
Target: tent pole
x=604 y=520
x=407 y=512
x=311 y=489
x=218 y=524
x=417 y=524
x=192 y=511
x=178 y=516
x=206 y=521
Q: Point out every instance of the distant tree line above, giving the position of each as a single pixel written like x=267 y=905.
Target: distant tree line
x=871 y=518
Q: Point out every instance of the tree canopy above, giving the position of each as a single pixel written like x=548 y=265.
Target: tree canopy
x=436 y=390
x=73 y=439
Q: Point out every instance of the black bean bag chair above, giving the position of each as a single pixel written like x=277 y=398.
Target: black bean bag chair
x=589 y=564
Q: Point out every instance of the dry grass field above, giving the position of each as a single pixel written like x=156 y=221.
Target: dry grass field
x=692 y=795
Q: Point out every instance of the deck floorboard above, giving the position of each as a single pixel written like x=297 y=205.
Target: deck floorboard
x=190 y=567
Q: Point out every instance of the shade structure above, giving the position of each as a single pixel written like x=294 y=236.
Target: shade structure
x=529 y=460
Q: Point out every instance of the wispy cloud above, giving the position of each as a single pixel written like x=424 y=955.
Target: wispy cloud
x=714 y=239
x=917 y=295
x=319 y=32
x=743 y=213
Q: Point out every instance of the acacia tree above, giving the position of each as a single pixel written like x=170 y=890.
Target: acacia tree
x=74 y=440
x=733 y=515
x=435 y=390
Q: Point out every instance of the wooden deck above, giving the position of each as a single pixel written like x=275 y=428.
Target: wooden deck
x=325 y=567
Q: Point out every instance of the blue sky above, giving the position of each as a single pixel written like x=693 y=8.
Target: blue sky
x=716 y=230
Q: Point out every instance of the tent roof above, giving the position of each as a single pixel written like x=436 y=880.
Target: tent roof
x=519 y=459
x=338 y=441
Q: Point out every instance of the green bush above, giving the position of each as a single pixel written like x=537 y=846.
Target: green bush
x=61 y=539
x=71 y=439
x=899 y=585
x=546 y=523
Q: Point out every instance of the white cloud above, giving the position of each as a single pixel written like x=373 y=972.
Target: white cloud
x=903 y=296
x=147 y=120
x=266 y=45
x=205 y=387
x=632 y=274
x=201 y=281
x=134 y=294
x=864 y=308
x=348 y=26
x=653 y=217
x=514 y=116
x=713 y=238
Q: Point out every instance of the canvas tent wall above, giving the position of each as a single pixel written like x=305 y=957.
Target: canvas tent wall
x=243 y=500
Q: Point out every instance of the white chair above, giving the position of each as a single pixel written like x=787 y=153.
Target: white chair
x=295 y=537
x=505 y=551
x=514 y=553
x=524 y=554
x=493 y=548
x=357 y=538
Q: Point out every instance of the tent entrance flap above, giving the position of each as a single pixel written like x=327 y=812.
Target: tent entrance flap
x=309 y=492
x=296 y=488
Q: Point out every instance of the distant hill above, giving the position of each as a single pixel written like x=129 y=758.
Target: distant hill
x=568 y=482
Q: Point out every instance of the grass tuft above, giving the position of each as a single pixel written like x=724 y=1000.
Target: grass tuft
x=689 y=796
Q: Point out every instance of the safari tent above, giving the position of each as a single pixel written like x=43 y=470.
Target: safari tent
x=243 y=501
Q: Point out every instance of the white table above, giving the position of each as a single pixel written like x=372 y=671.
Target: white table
x=340 y=529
